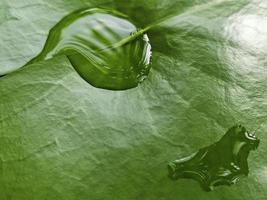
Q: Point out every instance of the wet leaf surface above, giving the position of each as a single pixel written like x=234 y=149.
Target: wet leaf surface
x=61 y=138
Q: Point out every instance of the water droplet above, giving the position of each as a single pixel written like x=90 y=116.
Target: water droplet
x=221 y=163
x=106 y=49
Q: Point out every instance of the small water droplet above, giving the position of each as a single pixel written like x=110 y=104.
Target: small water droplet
x=106 y=49
x=221 y=163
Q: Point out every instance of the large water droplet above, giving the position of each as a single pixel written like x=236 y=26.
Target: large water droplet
x=221 y=163
x=106 y=49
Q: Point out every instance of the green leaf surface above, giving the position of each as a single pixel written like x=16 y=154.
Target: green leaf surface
x=61 y=138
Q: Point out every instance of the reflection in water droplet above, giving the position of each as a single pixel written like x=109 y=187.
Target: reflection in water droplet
x=103 y=46
x=221 y=163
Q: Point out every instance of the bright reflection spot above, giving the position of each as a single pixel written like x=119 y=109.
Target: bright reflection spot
x=246 y=51
x=249 y=31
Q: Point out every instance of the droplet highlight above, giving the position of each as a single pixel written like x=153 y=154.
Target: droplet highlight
x=103 y=46
x=221 y=163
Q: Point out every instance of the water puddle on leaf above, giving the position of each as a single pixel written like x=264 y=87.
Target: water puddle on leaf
x=104 y=47
x=221 y=163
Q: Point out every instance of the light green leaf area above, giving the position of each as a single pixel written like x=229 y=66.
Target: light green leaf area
x=63 y=139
